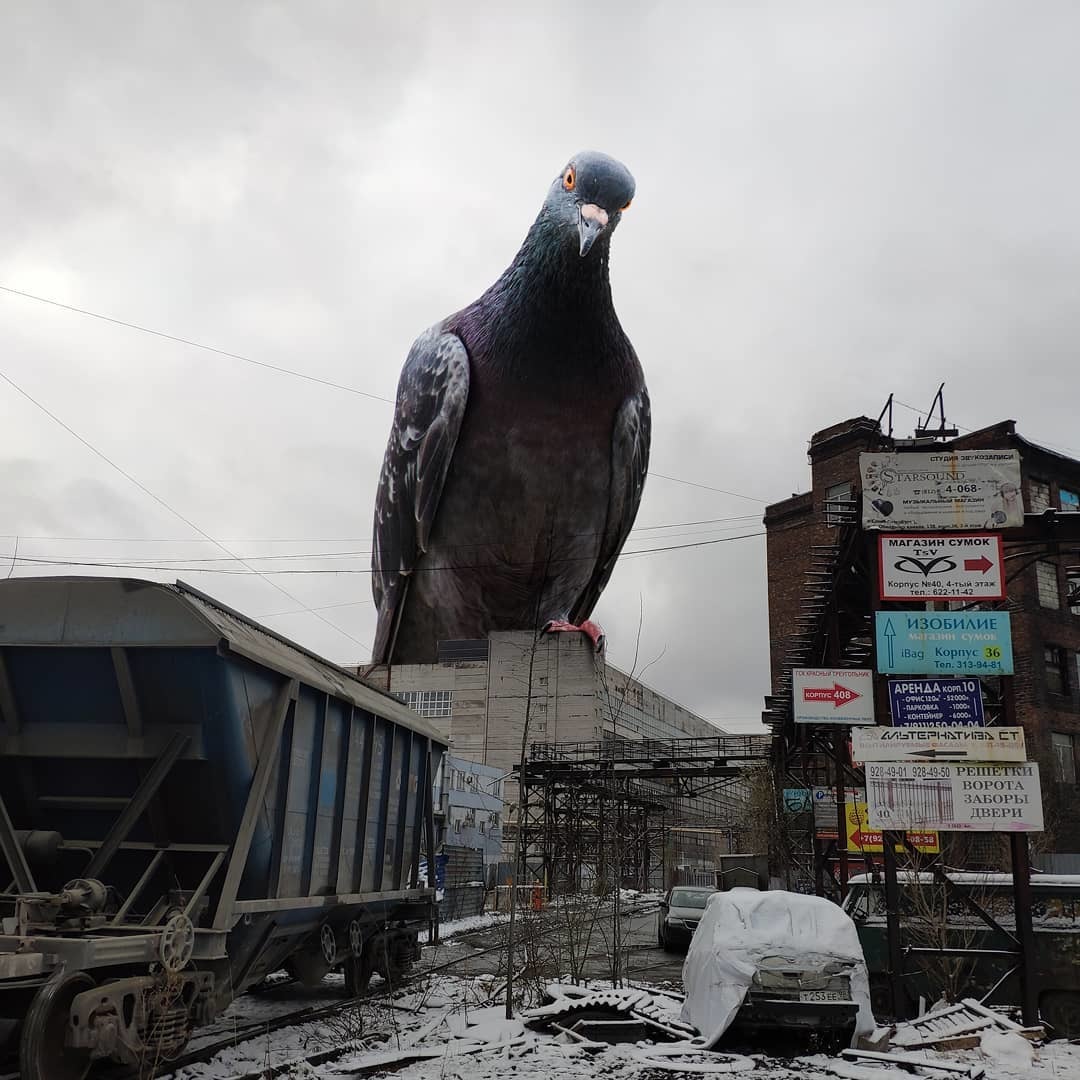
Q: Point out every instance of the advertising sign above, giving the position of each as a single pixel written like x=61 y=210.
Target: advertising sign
x=954 y=798
x=944 y=642
x=936 y=701
x=960 y=566
x=938 y=744
x=860 y=837
x=824 y=799
x=965 y=489
x=833 y=695
x=797 y=800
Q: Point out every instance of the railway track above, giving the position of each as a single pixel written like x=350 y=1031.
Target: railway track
x=244 y=1031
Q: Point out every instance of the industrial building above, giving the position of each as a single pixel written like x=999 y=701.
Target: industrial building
x=481 y=693
x=818 y=607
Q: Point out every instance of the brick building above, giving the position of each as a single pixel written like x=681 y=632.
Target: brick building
x=1043 y=573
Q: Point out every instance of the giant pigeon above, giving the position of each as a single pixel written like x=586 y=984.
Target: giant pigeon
x=520 y=441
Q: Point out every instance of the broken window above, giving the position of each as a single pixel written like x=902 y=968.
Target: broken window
x=1054 y=663
x=1064 y=749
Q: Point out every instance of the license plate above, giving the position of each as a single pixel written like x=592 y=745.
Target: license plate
x=821 y=995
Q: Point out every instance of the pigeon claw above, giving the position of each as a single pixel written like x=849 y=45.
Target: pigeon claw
x=590 y=629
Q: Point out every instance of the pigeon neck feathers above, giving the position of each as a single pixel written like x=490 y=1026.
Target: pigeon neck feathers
x=550 y=309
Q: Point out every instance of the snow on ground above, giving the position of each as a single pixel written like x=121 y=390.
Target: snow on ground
x=484 y=921
x=454 y=1028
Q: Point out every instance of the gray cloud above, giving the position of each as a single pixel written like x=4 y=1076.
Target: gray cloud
x=834 y=202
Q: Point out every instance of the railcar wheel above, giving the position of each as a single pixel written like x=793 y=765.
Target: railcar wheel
x=358 y=973
x=43 y=1054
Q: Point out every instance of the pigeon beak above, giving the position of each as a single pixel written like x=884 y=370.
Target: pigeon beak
x=592 y=220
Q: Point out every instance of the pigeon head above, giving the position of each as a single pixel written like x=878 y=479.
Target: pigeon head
x=589 y=197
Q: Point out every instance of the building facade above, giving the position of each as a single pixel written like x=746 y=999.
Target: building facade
x=482 y=694
x=1043 y=589
x=468 y=799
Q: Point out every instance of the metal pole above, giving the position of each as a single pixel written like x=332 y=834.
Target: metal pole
x=892 y=926
x=839 y=754
x=1021 y=871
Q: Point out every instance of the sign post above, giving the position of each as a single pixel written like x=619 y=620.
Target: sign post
x=944 y=642
x=954 y=798
x=833 y=695
x=954 y=744
x=965 y=489
x=936 y=701
x=956 y=566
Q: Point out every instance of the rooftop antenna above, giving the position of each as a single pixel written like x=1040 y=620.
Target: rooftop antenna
x=886 y=409
x=925 y=431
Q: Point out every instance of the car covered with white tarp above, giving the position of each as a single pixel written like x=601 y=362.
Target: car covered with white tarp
x=776 y=961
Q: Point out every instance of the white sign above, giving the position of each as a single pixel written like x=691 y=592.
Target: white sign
x=824 y=799
x=960 y=566
x=966 y=489
x=833 y=695
x=940 y=743
x=954 y=798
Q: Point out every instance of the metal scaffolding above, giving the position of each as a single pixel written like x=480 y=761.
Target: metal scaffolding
x=617 y=811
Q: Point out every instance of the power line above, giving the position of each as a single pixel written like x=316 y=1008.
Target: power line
x=161 y=502
x=480 y=545
x=284 y=370
x=195 y=344
x=709 y=487
x=37 y=561
x=311 y=539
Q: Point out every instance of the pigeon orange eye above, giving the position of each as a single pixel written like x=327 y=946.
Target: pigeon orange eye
x=569 y=179
x=627 y=206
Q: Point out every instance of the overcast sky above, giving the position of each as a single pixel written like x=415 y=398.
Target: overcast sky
x=835 y=201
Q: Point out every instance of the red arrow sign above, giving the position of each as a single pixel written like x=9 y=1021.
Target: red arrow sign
x=837 y=694
x=982 y=563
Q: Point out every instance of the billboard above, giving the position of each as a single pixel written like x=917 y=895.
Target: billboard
x=938 y=744
x=833 y=695
x=960 y=566
x=944 y=642
x=860 y=837
x=964 y=489
x=953 y=797
x=936 y=701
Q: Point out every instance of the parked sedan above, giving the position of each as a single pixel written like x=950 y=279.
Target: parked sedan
x=680 y=913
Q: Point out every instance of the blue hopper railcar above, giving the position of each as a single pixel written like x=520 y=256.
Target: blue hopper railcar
x=188 y=802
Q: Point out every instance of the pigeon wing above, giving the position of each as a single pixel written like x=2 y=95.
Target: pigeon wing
x=629 y=465
x=431 y=398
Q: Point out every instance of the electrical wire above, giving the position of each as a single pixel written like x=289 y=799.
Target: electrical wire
x=197 y=345
x=171 y=509
x=39 y=561
x=281 y=370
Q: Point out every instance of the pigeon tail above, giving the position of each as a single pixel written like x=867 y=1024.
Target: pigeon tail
x=593 y=631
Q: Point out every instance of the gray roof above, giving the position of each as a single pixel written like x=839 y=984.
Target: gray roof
x=103 y=611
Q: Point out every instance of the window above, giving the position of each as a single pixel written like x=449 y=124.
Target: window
x=1038 y=495
x=1064 y=750
x=1072 y=588
x=1069 y=501
x=1054 y=662
x=839 y=503
x=430 y=703
x=1047 y=577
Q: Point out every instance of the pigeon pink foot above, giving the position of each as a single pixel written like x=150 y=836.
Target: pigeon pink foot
x=590 y=629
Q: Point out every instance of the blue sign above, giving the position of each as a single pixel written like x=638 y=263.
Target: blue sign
x=952 y=702
x=944 y=642
x=797 y=800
